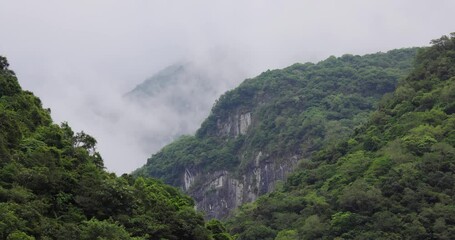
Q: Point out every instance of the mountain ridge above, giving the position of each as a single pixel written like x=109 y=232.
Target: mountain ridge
x=253 y=136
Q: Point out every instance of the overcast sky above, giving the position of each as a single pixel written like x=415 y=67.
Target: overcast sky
x=81 y=56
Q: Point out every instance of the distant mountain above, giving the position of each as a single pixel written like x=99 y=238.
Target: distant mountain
x=179 y=98
x=182 y=87
x=257 y=133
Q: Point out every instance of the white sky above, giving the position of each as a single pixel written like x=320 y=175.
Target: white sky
x=81 y=56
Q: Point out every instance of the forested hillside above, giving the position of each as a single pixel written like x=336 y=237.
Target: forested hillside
x=257 y=132
x=53 y=184
x=393 y=179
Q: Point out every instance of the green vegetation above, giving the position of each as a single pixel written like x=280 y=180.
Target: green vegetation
x=364 y=174
x=393 y=179
x=53 y=184
x=295 y=111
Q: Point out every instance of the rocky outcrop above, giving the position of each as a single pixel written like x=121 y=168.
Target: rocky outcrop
x=235 y=125
x=218 y=193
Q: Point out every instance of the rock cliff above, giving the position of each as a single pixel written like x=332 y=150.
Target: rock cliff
x=217 y=193
x=235 y=125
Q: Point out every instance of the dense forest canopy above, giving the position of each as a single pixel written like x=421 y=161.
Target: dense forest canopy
x=393 y=179
x=53 y=184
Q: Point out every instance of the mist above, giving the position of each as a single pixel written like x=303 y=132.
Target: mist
x=81 y=57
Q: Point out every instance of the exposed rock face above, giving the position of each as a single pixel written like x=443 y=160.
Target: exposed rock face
x=188 y=179
x=235 y=125
x=218 y=193
x=244 y=122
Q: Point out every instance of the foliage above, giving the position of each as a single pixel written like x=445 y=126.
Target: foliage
x=295 y=111
x=393 y=179
x=53 y=184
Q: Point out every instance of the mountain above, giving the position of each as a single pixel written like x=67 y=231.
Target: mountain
x=178 y=98
x=181 y=87
x=394 y=178
x=53 y=184
x=256 y=134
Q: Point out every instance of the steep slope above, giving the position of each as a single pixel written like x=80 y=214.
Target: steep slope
x=256 y=133
x=393 y=179
x=53 y=185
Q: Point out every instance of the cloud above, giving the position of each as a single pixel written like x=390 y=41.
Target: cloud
x=81 y=56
